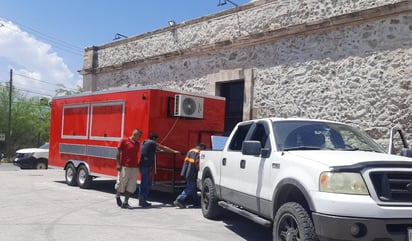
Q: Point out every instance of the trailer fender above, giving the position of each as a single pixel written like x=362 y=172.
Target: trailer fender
x=77 y=163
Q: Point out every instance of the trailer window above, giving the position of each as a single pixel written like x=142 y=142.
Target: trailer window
x=107 y=120
x=74 y=121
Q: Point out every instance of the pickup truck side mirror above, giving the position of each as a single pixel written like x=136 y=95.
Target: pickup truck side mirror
x=252 y=148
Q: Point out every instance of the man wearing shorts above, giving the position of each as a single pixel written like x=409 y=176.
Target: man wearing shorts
x=127 y=167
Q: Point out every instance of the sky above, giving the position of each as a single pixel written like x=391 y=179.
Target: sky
x=43 y=41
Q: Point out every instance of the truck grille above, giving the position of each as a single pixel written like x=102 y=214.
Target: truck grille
x=19 y=155
x=392 y=186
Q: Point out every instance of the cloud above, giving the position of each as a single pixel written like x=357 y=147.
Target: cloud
x=37 y=70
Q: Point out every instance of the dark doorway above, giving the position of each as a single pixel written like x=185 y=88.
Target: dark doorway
x=233 y=92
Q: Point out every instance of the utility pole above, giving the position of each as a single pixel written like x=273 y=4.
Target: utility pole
x=8 y=134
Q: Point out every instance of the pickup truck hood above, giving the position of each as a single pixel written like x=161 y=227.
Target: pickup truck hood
x=340 y=158
x=32 y=150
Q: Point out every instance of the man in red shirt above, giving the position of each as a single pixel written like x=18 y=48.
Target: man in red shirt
x=127 y=166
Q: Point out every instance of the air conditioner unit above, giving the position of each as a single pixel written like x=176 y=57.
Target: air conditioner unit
x=188 y=106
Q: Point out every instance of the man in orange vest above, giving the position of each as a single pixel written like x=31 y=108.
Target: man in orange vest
x=189 y=172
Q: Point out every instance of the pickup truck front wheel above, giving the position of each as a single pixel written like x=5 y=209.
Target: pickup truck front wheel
x=292 y=222
x=210 y=207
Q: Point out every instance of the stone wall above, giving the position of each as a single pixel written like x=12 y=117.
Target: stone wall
x=360 y=75
x=257 y=17
x=307 y=60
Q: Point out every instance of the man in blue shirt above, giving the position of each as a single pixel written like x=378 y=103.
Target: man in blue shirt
x=147 y=159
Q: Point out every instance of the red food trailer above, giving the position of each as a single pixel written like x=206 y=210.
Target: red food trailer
x=85 y=130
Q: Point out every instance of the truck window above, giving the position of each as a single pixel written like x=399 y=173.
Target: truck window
x=261 y=134
x=239 y=137
x=316 y=135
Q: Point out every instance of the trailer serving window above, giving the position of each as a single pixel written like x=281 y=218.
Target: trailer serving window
x=75 y=120
x=107 y=121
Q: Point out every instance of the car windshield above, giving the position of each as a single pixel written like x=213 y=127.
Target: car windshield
x=44 y=146
x=317 y=135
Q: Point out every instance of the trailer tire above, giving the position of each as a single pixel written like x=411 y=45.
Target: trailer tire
x=71 y=175
x=83 y=178
x=293 y=221
x=209 y=200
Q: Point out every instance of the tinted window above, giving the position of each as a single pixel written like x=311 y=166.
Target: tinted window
x=261 y=134
x=239 y=137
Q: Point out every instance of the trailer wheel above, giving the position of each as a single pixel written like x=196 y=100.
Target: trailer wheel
x=292 y=222
x=71 y=175
x=209 y=200
x=83 y=178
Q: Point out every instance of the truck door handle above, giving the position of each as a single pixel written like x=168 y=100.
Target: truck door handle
x=242 y=164
x=224 y=161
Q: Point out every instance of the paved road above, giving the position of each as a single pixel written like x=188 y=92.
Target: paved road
x=38 y=205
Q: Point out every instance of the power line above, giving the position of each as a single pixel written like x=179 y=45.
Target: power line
x=60 y=44
x=46 y=82
x=63 y=43
x=51 y=90
x=19 y=101
x=30 y=91
x=33 y=92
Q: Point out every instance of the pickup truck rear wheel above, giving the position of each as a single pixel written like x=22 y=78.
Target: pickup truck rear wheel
x=71 y=175
x=210 y=207
x=292 y=222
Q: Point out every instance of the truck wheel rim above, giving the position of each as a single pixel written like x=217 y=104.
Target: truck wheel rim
x=82 y=176
x=206 y=197
x=288 y=228
x=41 y=166
x=69 y=174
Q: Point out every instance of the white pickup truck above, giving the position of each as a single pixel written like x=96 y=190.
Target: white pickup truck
x=310 y=180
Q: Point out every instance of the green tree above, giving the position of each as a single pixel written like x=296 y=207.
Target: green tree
x=30 y=120
x=4 y=100
x=30 y=125
x=64 y=91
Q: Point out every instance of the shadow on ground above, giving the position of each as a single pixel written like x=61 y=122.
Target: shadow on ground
x=107 y=186
x=243 y=227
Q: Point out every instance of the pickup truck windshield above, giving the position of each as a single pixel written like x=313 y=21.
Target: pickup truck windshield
x=316 y=135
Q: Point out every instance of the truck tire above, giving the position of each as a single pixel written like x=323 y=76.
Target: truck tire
x=292 y=222
x=83 y=178
x=209 y=200
x=71 y=175
x=41 y=164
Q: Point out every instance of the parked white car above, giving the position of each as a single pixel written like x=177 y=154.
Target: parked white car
x=32 y=158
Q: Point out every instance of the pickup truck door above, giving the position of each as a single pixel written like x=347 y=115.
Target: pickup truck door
x=245 y=179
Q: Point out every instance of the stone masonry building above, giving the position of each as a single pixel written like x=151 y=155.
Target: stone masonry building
x=343 y=60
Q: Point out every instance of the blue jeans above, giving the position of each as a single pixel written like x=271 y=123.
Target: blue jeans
x=189 y=191
x=145 y=182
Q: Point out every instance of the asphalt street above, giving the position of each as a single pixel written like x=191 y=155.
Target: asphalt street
x=38 y=205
